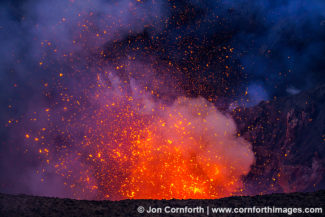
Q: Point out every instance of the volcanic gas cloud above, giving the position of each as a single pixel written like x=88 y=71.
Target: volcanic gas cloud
x=135 y=146
x=111 y=127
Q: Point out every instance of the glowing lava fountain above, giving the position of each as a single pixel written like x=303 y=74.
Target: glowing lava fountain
x=188 y=152
x=136 y=147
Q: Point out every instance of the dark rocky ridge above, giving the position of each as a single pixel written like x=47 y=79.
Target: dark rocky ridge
x=23 y=205
x=288 y=137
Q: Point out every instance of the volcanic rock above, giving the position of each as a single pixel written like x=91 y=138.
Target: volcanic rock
x=288 y=138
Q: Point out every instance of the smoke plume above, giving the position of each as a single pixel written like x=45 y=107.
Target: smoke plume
x=86 y=84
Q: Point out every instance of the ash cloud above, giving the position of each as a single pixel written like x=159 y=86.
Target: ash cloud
x=48 y=46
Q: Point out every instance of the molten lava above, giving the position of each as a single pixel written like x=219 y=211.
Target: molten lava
x=139 y=148
x=186 y=154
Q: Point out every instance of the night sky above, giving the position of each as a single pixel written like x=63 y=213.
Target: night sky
x=65 y=64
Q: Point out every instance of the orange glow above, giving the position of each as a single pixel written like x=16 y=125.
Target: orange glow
x=164 y=169
x=182 y=159
x=188 y=150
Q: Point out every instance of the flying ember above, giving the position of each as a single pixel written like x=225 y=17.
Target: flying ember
x=117 y=120
x=139 y=99
x=134 y=146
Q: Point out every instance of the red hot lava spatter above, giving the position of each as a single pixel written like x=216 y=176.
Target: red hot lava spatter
x=135 y=147
x=103 y=137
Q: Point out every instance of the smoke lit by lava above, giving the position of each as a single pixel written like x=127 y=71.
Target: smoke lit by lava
x=127 y=144
x=118 y=99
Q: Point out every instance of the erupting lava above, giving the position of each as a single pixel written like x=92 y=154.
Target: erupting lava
x=140 y=148
x=106 y=99
x=125 y=136
x=188 y=154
